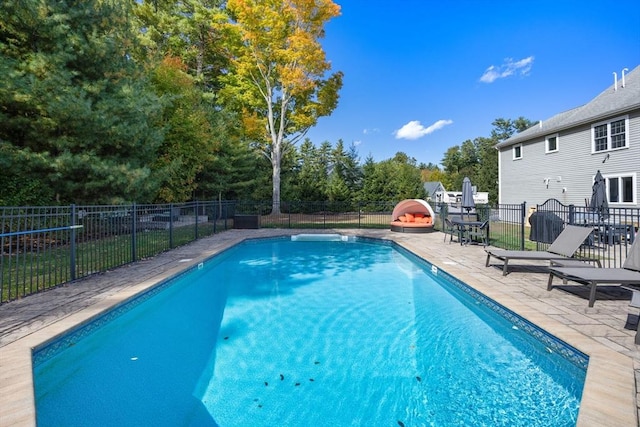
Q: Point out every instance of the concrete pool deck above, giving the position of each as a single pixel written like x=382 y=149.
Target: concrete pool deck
x=610 y=395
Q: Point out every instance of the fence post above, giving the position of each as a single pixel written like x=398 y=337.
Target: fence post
x=72 y=255
x=216 y=208
x=523 y=216
x=324 y=214
x=197 y=212
x=226 y=214
x=134 y=236
x=572 y=214
x=171 y=226
x=444 y=213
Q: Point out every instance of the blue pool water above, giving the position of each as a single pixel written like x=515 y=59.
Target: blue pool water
x=298 y=333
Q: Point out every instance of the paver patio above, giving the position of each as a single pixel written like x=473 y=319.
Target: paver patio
x=605 y=332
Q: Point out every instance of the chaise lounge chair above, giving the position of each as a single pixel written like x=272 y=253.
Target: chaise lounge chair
x=629 y=274
x=565 y=246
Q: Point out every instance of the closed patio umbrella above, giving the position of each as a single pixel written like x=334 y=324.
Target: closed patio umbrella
x=467 y=195
x=599 y=204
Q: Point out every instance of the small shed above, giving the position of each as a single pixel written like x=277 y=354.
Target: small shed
x=412 y=216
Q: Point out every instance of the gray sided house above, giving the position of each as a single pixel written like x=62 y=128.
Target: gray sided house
x=435 y=191
x=558 y=158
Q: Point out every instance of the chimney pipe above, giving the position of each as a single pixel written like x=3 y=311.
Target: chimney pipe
x=623 y=70
x=615 y=81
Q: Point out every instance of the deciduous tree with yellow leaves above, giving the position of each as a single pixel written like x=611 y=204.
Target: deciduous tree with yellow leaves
x=280 y=77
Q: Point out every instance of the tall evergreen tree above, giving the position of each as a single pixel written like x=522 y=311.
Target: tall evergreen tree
x=486 y=178
x=191 y=30
x=76 y=113
x=505 y=128
x=233 y=171
x=313 y=173
x=452 y=163
x=392 y=180
x=346 y=165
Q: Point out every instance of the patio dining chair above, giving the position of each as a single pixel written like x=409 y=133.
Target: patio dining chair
x=450 y=229
x=479 y=233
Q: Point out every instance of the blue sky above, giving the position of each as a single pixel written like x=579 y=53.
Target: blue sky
x=421 y=76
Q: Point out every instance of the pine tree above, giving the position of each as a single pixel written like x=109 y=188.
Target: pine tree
x=313 y=173
x=76 y=112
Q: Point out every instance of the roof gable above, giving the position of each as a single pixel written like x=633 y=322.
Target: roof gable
x=433 y=186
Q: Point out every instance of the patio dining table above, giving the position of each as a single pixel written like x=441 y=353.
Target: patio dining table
x=467 y=229
x=609 y=230
x=614 y=233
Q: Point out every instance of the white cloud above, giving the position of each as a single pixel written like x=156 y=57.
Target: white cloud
x=414 y=130
x=370 y=131
x=357 y=142
x=508 y=68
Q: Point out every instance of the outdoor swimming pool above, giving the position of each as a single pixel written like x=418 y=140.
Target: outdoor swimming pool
x=281 y=332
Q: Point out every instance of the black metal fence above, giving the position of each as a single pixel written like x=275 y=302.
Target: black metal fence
x=506 y=222
x=515 y=227
x=614 y=230
x=42 y=247
x=319 y=214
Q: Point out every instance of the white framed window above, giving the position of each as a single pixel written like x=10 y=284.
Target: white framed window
x=517 y=152
x=551 y=143
x=611 y=135
x=621 y=188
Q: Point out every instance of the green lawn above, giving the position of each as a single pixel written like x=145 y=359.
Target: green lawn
x=27 y=272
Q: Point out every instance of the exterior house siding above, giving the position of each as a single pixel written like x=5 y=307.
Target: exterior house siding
x=567 y=174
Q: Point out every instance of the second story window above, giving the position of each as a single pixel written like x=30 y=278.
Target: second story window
x=517 y=152
x=551 y=144
x=618 y=134
x=610 y=135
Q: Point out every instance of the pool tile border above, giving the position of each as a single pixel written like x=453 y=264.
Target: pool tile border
x=62 y=341
x=559 y=346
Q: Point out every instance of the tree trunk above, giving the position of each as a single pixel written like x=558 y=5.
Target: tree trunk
x=275 y=163
x=200 y=55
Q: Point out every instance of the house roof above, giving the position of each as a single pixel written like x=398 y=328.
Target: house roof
x=610 y=102
x=432 y=186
